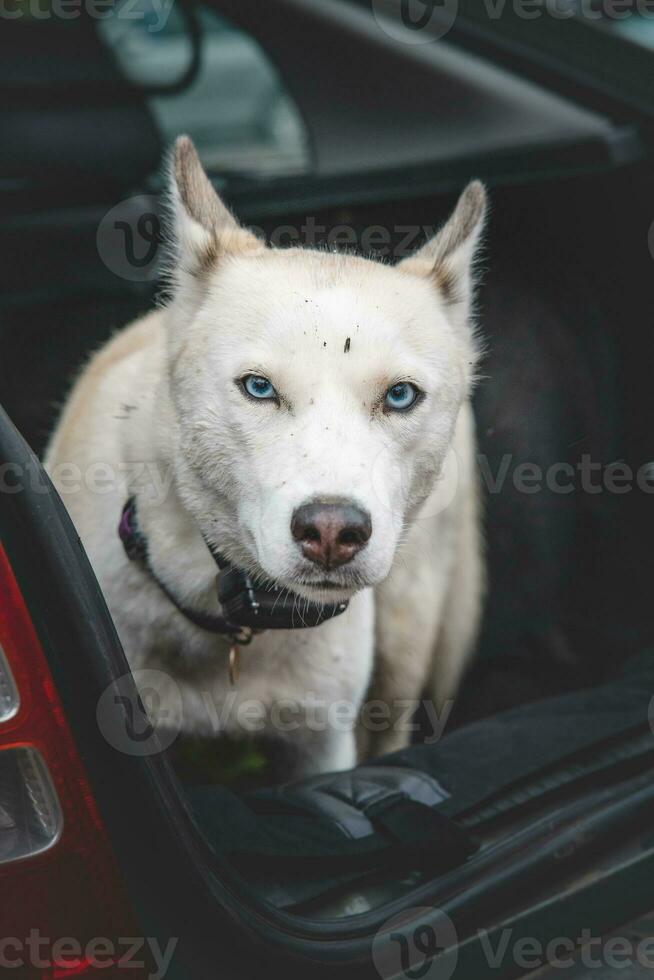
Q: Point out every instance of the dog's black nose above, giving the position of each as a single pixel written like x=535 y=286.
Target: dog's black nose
x=331 y=534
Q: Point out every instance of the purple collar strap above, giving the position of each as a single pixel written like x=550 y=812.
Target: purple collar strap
x=136 y=549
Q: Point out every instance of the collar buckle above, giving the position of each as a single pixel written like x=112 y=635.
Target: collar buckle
x=268 y=607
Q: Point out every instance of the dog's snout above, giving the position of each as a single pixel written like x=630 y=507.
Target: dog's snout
x=331 y=534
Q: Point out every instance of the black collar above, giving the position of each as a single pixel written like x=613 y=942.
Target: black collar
x=246 y=607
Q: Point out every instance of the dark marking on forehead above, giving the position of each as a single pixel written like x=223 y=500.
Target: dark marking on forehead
x=347 y=346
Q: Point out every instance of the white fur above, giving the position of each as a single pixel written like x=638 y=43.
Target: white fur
x=164 y=392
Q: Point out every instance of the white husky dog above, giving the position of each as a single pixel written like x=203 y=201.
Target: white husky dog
x=303 y=407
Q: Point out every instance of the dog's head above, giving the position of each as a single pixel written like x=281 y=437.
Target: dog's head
x=314 y=394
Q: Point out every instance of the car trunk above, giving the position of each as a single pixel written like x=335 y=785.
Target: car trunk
x=555 y=810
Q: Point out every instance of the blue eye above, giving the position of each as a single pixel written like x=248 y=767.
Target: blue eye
x=401 y=396
x=259 y=387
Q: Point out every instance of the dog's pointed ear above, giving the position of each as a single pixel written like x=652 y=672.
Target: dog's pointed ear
x=448 y=258
x=203 y=229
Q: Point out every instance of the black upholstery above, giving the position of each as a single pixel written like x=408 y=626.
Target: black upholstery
x=299 y=840
x=68 y=118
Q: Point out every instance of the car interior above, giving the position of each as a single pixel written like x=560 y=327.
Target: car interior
x=534 y=806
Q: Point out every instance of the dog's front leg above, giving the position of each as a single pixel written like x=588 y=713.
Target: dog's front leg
x=320 y=682
x=388 y=720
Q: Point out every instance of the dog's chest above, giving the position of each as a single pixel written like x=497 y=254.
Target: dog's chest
x=284 y=676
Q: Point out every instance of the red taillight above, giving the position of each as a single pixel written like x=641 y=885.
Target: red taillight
x=59 y=879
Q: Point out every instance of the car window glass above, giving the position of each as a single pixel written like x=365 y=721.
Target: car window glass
x=635 y=25
x=235 y=108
